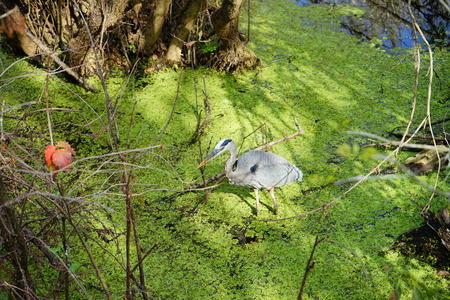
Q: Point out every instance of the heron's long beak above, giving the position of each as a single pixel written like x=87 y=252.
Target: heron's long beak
x=209 y=157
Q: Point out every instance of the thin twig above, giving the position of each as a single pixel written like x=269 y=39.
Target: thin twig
x=55 y=261
x=309 y=266
x=55 y=197
x=291 y=136
x=114 y=154
x=31 y=74
x=146 y=254
x=17 y=106
x=201 y=125
x=49 y=120
x=405 y=169
x=173 y=108
x=359 y=177
x=429 y=90
x=112 y=123
x=248 y=20
x=245 y=137
x=415 y=86
x=9 y=12
x=64 y=236
x=2 y=133
x=447 y=7
x=419 y=137
x=26 y=115
x=33 y=56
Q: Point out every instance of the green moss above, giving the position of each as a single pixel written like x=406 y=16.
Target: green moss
x=329 y=82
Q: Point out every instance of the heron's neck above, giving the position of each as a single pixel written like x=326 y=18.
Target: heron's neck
x=230 y=162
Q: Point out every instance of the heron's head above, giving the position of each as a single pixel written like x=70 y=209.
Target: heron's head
x=221 y=147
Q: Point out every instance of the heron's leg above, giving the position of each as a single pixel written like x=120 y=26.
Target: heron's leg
x=257 y=200
x=275 y=204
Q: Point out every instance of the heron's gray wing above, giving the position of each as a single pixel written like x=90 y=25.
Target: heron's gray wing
x=266 y=170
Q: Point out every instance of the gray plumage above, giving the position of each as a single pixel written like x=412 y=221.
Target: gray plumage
x=257 y=169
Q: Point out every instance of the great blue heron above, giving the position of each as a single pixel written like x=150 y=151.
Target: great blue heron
x=258 y=169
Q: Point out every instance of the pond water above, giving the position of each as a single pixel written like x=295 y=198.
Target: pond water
x=388 y=22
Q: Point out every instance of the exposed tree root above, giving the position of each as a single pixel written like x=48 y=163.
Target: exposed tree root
x=235 y=59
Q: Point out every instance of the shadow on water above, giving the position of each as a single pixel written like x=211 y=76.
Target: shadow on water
x=389 y=23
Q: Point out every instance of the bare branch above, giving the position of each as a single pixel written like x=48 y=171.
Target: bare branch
x=62 y=64
x=360 y=177
x=55 y=197
x=309 y=266
x=411 y=146
x=17 y=106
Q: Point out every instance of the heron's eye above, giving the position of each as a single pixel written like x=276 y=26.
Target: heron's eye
x=225 y=142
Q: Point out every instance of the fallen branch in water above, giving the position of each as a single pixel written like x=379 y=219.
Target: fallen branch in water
x=426 y=138
x=376 y=177
x=395 y=143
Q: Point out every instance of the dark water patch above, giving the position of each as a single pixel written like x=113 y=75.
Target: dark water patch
x=423 y=244
x=240 y=234
x=388 y=24
x=360 y=226
x=352 y=227
x=335 y=159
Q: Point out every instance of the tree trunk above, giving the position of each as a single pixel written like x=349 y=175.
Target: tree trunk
x=226 y=22
x=153 y=30
x=233 y=54
x=187 y=25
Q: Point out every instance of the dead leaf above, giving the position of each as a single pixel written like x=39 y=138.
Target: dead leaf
x=59 y=157
x=49 y=150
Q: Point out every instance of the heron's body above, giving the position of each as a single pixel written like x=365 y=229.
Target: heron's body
x=262 y=170
x=257 y=169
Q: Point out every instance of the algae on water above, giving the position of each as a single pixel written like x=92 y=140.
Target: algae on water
x=215 y=247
